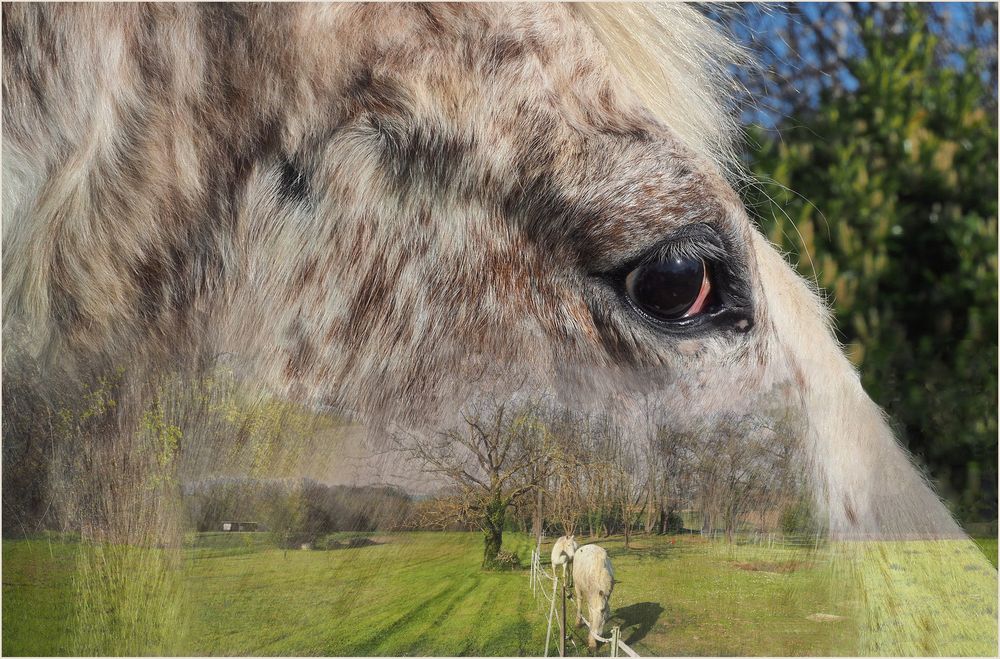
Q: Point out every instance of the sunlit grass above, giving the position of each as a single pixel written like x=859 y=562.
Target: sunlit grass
x=38 y=596
x=989 y=548
x=424 y=594
x=127 y=601
x=925 y=597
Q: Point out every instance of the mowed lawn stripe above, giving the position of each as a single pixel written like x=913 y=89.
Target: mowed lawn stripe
x=322 y=601
x=423 y=632
x=524 y=631
x=443 y=626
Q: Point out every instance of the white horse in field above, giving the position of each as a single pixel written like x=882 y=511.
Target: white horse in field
x=593 y=581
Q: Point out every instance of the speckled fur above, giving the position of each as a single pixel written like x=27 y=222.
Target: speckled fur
x=383 y=208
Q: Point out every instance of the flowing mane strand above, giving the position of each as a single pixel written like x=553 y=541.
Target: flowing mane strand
x=679 y=63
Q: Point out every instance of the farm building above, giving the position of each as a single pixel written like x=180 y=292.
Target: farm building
x=239 y=526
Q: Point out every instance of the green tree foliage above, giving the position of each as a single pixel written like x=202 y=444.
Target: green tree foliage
x=800 y=519
x=887 y=196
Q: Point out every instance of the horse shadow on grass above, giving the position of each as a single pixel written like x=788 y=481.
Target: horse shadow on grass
x=636 y=620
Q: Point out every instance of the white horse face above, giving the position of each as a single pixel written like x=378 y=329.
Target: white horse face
x=377 y=224
x=563 y=550
x=386 y=225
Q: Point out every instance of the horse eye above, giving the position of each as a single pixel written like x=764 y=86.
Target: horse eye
x=672 y=288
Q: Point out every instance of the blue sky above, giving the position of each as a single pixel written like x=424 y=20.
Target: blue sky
x=765 y=28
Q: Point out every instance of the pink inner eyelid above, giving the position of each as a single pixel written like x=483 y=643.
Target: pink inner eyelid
x=699 y=302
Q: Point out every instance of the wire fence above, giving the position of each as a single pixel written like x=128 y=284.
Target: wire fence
x=537 y=578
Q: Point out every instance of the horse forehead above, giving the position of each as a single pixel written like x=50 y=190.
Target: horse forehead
x=515 y=68
x=522 y=98
x=432 y=26
x=448 y=45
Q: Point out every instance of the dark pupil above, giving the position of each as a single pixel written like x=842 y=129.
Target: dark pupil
x=667 y=288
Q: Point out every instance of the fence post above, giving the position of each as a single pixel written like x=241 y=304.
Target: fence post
x=532 y=575
x=562 y=623
x=552 y=610
x=616 y=633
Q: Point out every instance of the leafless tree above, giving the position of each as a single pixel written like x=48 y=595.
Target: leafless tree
x=744 y=463
x=805 y=51
x=630 y=484
x=489 y=463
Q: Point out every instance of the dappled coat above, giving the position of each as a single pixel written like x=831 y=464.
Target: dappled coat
x=391 y=211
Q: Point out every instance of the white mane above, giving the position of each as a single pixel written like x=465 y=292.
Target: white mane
x=679 y=64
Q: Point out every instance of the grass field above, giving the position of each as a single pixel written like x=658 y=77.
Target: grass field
x=989 y=547
x=424 y=594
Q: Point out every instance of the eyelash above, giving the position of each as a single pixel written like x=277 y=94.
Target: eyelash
x=694 y=241
x=687 y=248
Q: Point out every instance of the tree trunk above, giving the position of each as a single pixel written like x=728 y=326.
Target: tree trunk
x=730 y=523
x=536 y=522
x=650 y=510
x=492 y=541
x=495 y=514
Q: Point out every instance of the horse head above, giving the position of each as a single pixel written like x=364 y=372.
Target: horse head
x=388 y=210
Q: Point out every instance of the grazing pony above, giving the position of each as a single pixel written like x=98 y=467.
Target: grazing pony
x=593 y=581
x=387 y=209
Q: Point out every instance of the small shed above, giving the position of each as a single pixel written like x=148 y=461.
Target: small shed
x=237 y=527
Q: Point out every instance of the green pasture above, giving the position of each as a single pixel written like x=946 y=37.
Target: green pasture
x=411 y=593
x=989 y=547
